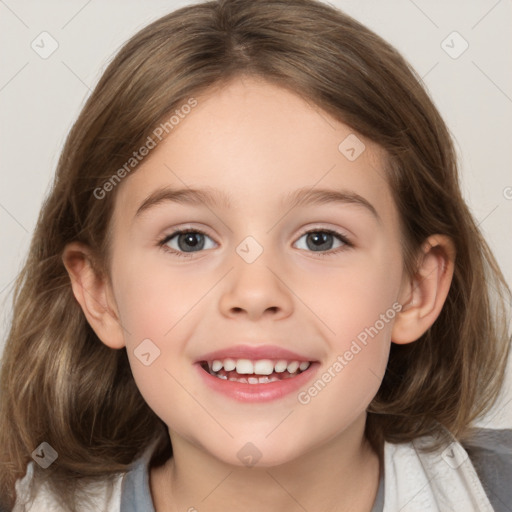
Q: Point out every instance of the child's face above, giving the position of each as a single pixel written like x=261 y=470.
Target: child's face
x=257 y=145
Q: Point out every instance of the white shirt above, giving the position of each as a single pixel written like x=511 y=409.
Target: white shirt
x=414 y=481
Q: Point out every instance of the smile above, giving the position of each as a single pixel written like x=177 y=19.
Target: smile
x=256 y=380
x=262 y=371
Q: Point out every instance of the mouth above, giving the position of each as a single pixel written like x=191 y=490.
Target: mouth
x=256 y=374
x=261 y=371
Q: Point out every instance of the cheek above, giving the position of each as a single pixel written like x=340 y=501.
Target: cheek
x=152 y=299
x=156 y=308
x=358 y=307
x=352 y=299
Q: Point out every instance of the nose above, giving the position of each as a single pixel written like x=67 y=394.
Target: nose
x=255 y=290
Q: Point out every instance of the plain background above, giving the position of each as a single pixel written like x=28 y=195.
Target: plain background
x=41 y=98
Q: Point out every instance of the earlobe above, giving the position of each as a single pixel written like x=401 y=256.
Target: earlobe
x=93 y=293
x=425 y=292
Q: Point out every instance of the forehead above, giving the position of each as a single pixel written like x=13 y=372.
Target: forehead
x=252 y=139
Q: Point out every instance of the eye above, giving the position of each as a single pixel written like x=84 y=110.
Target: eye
x=185 y=241
x=321 y=240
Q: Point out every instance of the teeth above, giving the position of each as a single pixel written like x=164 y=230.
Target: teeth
x=229 y=364
x=263 y=367
x=244 y=367
x=281 y=366
x=260 y=367
x=250 y=380
x=293 y=367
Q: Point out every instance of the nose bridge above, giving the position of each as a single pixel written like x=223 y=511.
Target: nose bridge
x=254 y=286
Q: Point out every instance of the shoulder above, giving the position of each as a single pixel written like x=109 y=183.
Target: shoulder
x=127 y=491
x=473 y=474
x=490 y=451
x=103 y=496
x=489 y=441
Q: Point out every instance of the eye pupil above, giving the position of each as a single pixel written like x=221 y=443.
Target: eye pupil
x=192 y=240
x=195 y=241
x=320 y=239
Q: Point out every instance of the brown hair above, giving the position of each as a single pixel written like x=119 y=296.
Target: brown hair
x=61 y=384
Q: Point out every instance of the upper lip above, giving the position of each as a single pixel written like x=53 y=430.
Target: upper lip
x=254 y=353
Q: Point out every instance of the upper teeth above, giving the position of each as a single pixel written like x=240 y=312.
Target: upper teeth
x=259 y=367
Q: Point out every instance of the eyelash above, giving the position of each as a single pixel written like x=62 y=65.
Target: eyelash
x=342 y=238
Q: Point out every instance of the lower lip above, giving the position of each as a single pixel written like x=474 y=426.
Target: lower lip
x=258 y=392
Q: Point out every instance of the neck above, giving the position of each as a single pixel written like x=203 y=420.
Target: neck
x=339 y=475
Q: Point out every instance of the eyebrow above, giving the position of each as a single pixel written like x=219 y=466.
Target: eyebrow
x=307 y=196
x=194 y=196
x=213 y=197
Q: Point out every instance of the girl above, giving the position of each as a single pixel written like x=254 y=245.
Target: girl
x=255 y=284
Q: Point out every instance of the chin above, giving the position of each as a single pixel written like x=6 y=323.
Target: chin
x=256 y=454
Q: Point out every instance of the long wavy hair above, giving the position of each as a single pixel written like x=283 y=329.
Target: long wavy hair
x=61 y=384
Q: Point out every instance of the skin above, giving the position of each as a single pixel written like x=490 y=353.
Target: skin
x=256 y=143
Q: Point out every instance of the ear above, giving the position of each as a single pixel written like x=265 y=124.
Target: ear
x=423 y=295
x=93 y=292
